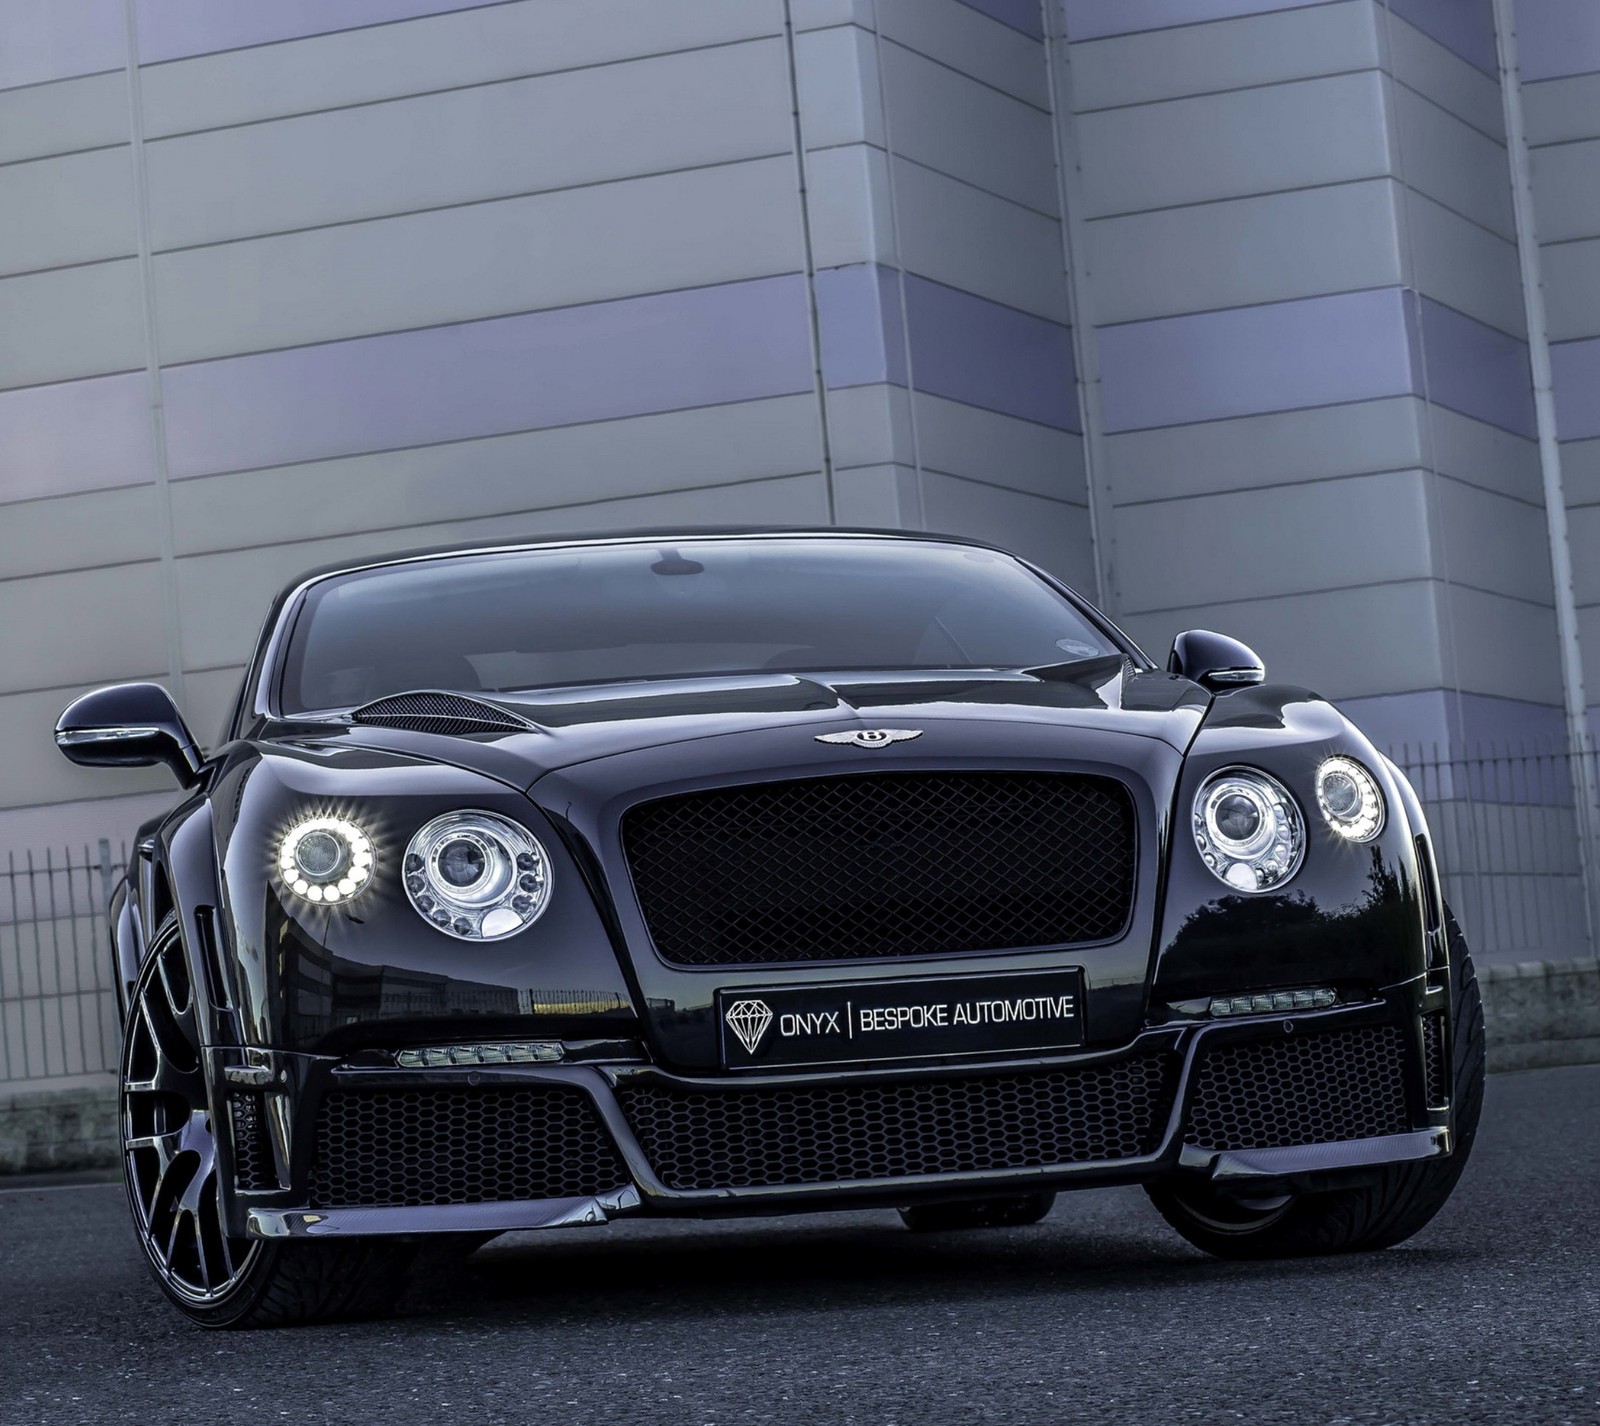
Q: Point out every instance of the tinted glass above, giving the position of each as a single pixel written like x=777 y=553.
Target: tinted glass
x=537 y=618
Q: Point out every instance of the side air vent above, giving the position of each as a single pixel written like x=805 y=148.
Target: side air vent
x=429 y=711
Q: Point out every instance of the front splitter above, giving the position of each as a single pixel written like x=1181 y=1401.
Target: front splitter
x=442 y=1218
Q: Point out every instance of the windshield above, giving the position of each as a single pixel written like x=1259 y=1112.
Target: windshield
x=505 y=621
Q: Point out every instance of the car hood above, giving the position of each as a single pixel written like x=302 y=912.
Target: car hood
x=572 y=726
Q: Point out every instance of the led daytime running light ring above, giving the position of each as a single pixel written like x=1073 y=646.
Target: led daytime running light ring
x=322 y=874
x=1337 y=775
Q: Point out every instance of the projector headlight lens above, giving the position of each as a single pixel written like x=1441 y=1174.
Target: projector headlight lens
x=325 y=860
x=1248 y=829
x=1350 y=799
x=477 y=875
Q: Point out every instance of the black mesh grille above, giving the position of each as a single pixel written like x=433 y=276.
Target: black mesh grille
x=757 y=1138
x=252 y=1152
x=1304 y=1089
x=433 y=1146
x=438 y=713
x=1433 y=1060
x=903 y=864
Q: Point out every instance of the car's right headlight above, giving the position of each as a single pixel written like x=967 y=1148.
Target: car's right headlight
x=1248 y=829
x=477 y=875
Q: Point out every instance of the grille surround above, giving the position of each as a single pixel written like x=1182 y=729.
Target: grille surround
x=1317 y=1088
x=880 y=866
x=793 y=1135
x=426 y=1147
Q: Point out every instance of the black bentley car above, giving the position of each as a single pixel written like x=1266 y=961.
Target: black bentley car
x=758 y=872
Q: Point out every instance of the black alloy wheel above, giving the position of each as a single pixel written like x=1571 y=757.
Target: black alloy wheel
x=169 y=1146
x=172 y=1174
x=1399 y=1201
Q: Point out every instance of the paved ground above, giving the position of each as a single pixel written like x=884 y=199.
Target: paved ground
x=1099 y=1314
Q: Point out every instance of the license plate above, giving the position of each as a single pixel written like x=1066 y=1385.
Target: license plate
x=900 y=1019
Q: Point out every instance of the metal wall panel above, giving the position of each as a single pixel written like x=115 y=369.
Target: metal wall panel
x=80 y=321
x=1090 y=19
x=735 y=342
x=961 y=127
x=1266 y=48
x=63 y=117
x=579 y=246
x=1283 y=136
x=76 y=208
x=1234 y=562
x=47 y=40
x=1247 y=453
x=75 y=435
x=1245 y=251
x=497 y=475
x=61 y=532
x=47 y=642
x=1314 y=352
x=431 y=54
x=964 y=237
x=467 y=145
x=1465 y=266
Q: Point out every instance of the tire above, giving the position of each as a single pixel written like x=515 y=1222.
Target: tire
x=1376 y=1215
x=170 y=1170
x=1014 y=1212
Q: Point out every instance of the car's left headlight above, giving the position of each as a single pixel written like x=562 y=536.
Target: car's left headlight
x=477 y=875
x=1248 y=829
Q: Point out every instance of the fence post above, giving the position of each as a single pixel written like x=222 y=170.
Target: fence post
x=105 y=873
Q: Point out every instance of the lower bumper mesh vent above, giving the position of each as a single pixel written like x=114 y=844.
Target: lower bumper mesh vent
x=1305 y=1089
x=253 y=1166
x=760 y=1138
x=1434 y=1062
x=416 y=1147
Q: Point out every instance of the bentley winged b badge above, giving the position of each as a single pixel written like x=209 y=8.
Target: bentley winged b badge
x=870 y=737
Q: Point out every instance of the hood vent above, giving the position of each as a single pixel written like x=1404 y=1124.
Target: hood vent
x=432 y=711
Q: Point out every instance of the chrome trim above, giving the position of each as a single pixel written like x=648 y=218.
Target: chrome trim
x=87 y=737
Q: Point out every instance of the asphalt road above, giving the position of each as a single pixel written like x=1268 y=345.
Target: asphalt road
x=1099 y=1314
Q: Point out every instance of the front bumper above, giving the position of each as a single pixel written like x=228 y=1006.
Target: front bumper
x=1313 y=1125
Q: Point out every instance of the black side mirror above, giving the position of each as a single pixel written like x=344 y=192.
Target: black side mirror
x=129 y=725
x=1215 y=661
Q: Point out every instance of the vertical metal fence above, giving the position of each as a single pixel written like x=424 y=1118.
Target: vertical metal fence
x=1509 y=833
x=57 y=1005
x=1506 y=823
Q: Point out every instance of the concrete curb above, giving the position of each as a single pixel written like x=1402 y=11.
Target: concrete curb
x=1542 y=1013
x=1536 y=1014
x=58 y=1129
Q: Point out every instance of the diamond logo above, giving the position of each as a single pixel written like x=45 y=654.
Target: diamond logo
x=748 y=1019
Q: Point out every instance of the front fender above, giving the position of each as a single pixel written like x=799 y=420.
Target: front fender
x=370 y=971
x=1353 y=915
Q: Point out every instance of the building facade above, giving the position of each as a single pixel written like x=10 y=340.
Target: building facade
x=1218 y=308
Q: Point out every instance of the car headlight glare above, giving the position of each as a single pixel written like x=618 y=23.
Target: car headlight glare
x=1350 y=799
x=325 y=860
x=477 y=875
x=1248 y=829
